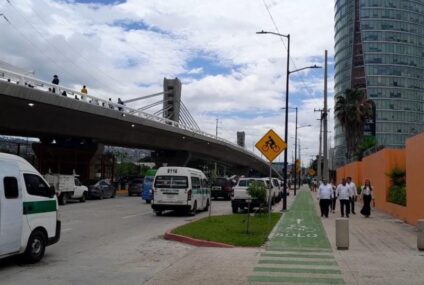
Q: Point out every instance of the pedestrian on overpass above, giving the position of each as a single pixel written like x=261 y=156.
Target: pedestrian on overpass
x=84 y=92
x=343 y=192
x=353 y=194
x=324 y=195
x=55 y=81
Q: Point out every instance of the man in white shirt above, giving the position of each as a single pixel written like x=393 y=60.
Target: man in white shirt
x=353 y=194
x=343 y=192
x=324 y=195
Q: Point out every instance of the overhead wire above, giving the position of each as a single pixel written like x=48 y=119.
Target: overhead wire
x=308 y=89
x=56 y=49
x=31 y=43
x=72 y=48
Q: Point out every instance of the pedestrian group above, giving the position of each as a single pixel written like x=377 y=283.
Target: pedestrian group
x=347 y=194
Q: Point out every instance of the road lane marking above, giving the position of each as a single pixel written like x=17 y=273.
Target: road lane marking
x=66 y=230
x=136 y=215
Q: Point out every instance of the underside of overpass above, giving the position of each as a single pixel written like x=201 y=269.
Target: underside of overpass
x=29 y=112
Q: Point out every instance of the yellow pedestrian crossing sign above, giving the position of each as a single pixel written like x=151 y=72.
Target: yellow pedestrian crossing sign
x=271 y=145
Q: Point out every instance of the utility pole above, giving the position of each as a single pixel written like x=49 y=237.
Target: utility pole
x=325 y=174
x=216 y=135
x=319 y=161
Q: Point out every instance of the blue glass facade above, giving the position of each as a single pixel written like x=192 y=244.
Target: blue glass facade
x=379 y=48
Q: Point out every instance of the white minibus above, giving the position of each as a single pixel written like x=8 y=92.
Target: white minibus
x=28 y=210
x=180 y=188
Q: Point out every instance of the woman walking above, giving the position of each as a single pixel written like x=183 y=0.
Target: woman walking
x=366 y=196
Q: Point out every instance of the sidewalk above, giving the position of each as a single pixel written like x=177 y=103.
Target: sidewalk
x=299 y=252
x=383 y=250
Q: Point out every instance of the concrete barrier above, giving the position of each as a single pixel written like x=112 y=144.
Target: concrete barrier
x=420 y=234
x=342 y=233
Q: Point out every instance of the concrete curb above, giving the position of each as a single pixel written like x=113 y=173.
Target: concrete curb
x=195 y=242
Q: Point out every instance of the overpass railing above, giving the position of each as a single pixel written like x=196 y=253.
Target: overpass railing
x=35 y=83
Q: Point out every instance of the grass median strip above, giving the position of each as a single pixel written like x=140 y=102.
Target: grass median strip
x=231 y=229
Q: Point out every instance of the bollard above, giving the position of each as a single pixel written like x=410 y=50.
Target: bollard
x=420 y=234
x=342 y=233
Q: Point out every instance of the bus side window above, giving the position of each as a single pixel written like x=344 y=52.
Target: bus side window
x=195 y=182
x=11 y=190
x=36 y=186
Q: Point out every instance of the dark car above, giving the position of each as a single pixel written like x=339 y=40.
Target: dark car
x=102 y=189
x=135 y=187
x=222 y=187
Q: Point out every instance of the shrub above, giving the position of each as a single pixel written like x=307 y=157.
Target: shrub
x=257 y=190
x=397 y=195
x=397 y=192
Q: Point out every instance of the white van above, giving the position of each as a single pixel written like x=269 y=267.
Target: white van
x=180 y=188
x=28 y=210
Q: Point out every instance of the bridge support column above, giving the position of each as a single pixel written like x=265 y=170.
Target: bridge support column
x=66 y=155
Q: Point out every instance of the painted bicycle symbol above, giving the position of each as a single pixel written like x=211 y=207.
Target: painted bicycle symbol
x=270 y=144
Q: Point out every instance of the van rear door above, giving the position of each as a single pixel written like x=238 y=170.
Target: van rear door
x=170 y=189
x=10 y=209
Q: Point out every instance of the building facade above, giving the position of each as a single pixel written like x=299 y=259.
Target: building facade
x=379 y=48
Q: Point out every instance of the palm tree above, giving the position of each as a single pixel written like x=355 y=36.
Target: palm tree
x=352 y=109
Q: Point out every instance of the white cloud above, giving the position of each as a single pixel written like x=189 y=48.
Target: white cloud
x=97 y=45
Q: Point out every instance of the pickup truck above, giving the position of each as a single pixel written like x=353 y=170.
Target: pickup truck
x=241 y=197
x=68 y=187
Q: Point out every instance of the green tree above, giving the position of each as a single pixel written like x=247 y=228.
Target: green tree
x=366 y=143
x=257 y=191
x=352 y=109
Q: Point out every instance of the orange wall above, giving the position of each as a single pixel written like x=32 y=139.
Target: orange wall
x=375 y=168
x=414 y=178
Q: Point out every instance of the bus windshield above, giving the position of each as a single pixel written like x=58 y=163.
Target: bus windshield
x=171 y=182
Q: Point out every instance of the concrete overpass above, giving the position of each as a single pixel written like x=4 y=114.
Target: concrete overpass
x=26 y=109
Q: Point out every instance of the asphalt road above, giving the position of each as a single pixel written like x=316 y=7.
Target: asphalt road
x=113 y=241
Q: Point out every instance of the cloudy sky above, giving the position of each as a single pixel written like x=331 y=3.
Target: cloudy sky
x=125 y=49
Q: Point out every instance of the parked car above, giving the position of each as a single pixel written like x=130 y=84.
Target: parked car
x=135 y=186
x=147 y=194
x=222 y=187
x=102 y=189
x=241 y=198
x=67 y=187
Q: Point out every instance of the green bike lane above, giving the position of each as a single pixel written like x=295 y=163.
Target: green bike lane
x=299 y=251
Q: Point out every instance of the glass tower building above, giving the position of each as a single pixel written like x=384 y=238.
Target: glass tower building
x=379 y=48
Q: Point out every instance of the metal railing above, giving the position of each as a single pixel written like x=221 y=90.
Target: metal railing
x=35 y=83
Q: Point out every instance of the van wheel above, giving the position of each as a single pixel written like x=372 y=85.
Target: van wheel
x=158 y=213
x=147 y=201
x=207 y=205
x=36 y=247
x=63 y=200
x=84 y=197
x=194 y=211
x=235 y=209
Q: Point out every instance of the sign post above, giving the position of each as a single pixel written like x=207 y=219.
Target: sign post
x=271 y=145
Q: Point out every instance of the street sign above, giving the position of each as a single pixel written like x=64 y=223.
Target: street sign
x=271 y=145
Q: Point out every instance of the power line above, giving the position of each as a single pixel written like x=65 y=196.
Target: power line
x=308 y=89
x=76 y=52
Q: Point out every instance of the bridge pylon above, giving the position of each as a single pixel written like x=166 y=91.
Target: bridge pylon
x=172 y=99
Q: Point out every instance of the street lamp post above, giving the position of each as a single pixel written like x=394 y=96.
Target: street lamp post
x=287 y=110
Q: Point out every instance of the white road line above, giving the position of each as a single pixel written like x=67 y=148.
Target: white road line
x=66 y=230
x=137 y=215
